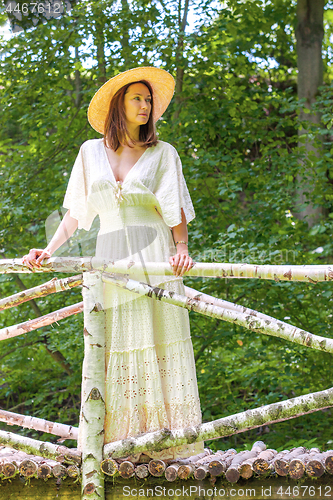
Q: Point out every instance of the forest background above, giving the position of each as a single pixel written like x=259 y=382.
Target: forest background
x=257 y=159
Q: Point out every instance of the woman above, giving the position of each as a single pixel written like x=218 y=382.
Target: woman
x=135 y=184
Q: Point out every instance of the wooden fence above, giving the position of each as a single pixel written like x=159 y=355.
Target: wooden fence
x=95 y=456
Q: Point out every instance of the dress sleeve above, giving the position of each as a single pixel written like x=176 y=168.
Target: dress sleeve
x=76 y=197
x=171 y=192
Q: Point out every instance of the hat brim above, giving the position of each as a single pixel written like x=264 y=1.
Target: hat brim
x=162 y=83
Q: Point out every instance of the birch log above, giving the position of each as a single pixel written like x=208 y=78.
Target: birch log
x=44 y=471
x=126 y=469
x=185 y=471
x=297 y=465
x=329 y=462
x=53 y=286
x=225 y=304
x=109 y=467
x=246 y=469
x=93 y=388
x=31 y=465
x=268 y=326
x=309 y=274
x=39 y=424
x=34 y=324
x=39 y=448
x=233 y=472
x=28 y=468
x=281 y=463
x=171 y=472
x=156 y=467
x=9 y=470
x=262 y=464
x=221 y=463
x=141 y=471
x=315 y=466
x=227 y=426
x=202 y=465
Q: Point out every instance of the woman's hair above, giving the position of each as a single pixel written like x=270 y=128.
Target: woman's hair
x=115 y=129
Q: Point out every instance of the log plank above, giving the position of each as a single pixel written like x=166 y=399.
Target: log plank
x=126 y=469
x=185 y=471
x=156 y=467
x=171 y=472
x=109 y=467
x=262 y=464
x=281 y=464
x=141 y=471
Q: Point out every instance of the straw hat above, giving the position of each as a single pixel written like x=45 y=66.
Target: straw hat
x=162 y=83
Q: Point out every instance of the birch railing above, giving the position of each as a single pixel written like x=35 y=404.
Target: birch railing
x=93 y=455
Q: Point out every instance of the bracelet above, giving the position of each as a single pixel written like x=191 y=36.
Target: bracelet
x=185 y=242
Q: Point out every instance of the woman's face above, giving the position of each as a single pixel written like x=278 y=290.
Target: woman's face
x=137 y=102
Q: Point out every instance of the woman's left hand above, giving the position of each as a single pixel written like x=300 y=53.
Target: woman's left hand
x=181 y=262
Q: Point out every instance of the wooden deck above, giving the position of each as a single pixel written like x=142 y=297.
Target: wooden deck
x=256 y=473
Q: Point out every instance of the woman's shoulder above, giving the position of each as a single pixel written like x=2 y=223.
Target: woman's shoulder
x=166 y=147
x=91 y=144
x=88 y=153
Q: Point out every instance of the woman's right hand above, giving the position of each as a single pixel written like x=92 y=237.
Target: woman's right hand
x=35 y=257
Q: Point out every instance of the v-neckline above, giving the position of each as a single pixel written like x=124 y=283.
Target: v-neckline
x=110 y=167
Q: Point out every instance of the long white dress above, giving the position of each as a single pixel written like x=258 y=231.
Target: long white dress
x=150 y=370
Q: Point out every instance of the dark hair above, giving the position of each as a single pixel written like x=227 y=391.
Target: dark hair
x=115 y=129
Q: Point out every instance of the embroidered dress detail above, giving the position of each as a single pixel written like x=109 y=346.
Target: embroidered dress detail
x=118 y=192
x=150 y=370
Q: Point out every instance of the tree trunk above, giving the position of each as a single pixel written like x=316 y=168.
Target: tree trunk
x=180 y=61
x=99 y=41
x=309 y=35
x=227 y=426
x=77 y=81
x=59 y=285
x=91 y=430
x=125 y=45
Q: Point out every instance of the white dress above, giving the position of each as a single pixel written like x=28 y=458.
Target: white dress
x=150 y=370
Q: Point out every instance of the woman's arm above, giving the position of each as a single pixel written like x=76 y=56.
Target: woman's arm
x=65 y=230
x=181 y=262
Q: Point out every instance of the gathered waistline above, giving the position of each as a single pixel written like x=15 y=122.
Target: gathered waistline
x=133 y=209
x=130 y=215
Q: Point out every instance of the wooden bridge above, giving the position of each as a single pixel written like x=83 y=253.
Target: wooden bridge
x=36 y=459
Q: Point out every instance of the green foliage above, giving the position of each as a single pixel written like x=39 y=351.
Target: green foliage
x=236 y=126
